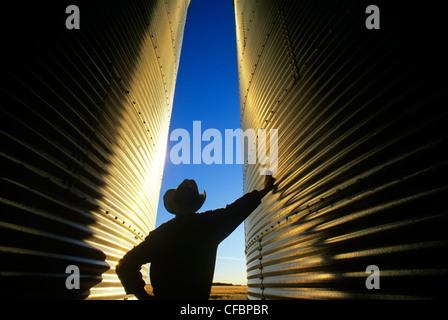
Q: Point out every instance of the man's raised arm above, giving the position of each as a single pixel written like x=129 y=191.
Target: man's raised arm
x=229 y=218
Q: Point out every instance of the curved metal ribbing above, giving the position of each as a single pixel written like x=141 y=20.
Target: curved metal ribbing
x=362 y=177
x=84 y=123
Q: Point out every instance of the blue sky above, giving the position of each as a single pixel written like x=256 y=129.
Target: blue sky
x=207 y=91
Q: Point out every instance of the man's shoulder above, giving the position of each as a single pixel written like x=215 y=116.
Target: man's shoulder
x=161 y=228
x=209 y=212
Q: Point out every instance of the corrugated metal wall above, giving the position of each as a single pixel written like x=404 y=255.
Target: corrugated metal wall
x=84 y=124
x=361 y=119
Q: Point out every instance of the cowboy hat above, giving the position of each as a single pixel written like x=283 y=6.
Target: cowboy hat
x=184 y=199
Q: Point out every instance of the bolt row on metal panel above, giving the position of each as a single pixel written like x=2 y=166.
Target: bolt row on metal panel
x=84 y=124
x=362 y=172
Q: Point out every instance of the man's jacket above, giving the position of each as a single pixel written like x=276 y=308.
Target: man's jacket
x=182 y=251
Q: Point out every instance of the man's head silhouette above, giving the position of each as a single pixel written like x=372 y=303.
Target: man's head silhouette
x=185 y=199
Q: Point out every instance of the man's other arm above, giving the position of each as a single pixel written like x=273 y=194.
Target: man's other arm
x=128 y=270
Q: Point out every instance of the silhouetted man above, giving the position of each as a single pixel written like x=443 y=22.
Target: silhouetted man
x=182 y=251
